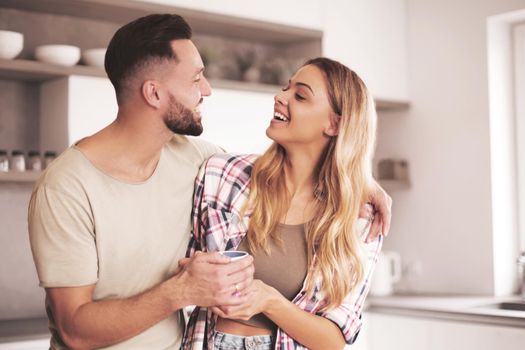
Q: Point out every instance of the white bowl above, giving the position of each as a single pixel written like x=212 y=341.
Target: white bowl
x=11 y=44
x=94 y=57
x=62 y=55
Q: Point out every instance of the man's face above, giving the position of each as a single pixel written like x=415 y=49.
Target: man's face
x=185 y=87
x=182 y=120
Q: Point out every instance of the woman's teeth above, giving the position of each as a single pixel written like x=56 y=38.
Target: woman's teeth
x=280 y=116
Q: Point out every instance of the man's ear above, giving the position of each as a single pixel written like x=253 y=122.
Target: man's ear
x=333 y=128
x=151 y=93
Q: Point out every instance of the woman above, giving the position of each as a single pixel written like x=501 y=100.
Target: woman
x=296 y=210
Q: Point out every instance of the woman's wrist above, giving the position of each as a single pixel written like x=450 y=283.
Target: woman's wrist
x=276 y=302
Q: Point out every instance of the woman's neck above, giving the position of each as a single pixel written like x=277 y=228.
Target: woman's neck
x=299 y=172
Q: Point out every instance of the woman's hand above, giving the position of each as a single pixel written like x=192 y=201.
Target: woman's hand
x=382 y=205
x=260 y=297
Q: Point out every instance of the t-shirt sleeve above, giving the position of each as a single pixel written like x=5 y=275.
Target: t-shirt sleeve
x=207 y=149
x=62 y=237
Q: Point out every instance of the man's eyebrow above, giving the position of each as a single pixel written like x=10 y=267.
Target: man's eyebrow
x=305 y=85
x=198 y=71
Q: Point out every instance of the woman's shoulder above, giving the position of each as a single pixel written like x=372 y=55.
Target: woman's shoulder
x=225 y=163
x=225 y=180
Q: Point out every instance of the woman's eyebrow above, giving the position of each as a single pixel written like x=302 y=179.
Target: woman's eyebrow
x=305 y=85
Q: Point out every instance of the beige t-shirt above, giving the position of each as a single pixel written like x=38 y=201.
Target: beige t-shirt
x=86 y=227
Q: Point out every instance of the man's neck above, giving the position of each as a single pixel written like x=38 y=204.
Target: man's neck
x=129 y=148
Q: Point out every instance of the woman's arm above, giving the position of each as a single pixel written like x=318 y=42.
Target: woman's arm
x=327 y=330
x=313 y=331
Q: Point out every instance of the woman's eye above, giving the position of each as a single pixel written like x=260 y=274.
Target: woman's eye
x=299 y=97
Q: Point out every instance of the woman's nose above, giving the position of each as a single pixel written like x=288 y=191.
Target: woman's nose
x=281 y=99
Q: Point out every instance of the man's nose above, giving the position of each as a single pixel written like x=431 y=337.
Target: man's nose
x=205 y=87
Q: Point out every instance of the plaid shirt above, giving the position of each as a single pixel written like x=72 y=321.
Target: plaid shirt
x=221 y=190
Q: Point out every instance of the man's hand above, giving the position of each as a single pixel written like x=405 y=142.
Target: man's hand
x=382 y=212
x=209 y=279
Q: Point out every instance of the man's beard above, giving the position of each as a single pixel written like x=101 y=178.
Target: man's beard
x=181 y=120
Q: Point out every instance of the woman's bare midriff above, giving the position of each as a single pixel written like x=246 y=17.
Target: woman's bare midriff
x=225 y=325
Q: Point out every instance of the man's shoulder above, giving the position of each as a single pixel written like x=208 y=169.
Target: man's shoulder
x=68 y=168
x=194 y=149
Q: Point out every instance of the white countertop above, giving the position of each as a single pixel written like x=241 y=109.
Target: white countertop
x=460 y=308
x=456 y=308
x=24 y=330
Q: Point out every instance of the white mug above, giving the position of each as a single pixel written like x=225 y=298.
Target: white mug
x=386 y=273
x=235 y=255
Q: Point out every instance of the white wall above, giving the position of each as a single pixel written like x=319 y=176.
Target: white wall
x=20 y=295
x=370 y=37
x=367 y=35
x=237 y=120
x=444 y=220
x=299 y=13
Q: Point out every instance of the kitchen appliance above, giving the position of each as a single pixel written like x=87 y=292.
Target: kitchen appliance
x=521 y=274
x=386 y=273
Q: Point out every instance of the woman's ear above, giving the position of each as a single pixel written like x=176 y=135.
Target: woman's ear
x=333 y=128
x=151 y=93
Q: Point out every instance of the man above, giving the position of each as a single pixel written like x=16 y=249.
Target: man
x=110 y=218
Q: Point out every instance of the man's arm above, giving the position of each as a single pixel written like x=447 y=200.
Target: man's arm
x=204 y=280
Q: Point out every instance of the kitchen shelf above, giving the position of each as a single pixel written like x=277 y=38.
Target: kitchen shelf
x=25 y=176
x=389 y=105
x=394 y=185
x=39 y=71
x=123 y=11
x=36 y=71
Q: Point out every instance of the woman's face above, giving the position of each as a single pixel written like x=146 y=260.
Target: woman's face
x=302 y=113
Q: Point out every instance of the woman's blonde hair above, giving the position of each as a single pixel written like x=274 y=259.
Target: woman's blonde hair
x=343 y=178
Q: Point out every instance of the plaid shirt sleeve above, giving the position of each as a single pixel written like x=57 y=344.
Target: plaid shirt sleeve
x=348 y=315
x=199 y=217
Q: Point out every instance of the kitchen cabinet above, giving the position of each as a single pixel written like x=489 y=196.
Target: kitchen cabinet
x=306 y=14
x=38 y=344
x=460 y=336
x=66 y=94
x=284 y=34
x=72 y=108
x=393 y=332
x=387 y=332
x=371 y=37
x=100 y=18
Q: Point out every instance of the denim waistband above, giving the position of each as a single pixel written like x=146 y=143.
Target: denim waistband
x=225 y=341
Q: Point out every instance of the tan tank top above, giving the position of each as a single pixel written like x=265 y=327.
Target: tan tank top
x=284 y=269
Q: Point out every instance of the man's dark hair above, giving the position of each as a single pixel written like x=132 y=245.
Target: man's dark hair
x=141 y=41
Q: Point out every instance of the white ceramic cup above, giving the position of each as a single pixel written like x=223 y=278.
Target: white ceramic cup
x=235 y=255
